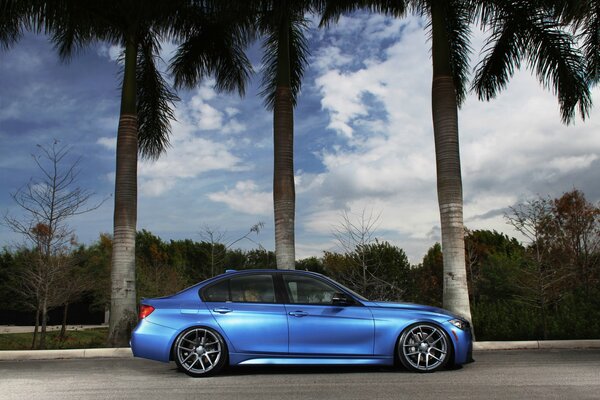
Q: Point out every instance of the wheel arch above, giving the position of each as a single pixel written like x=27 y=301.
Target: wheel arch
x=215 y=328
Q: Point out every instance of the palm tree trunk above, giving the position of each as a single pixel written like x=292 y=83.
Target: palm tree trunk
x=447 y=156
x=123 y=294
x=284 y=194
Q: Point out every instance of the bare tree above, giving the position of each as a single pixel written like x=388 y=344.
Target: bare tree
x=353 y=233
x=375 y=268
x=46 y=204
x=219 y=244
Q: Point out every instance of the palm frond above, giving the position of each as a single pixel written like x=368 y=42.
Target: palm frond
x=155 y=102
x=73 y=24
x=559 y=67
x=454 y=55
x=590 y=36
x=525 y=31
x=331 y=10
x=502 y=57
x=214 y=46
x=298 y=55
x=14 y=15
x=458 y=18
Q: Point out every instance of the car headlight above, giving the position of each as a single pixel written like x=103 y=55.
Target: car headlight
x=460 y=324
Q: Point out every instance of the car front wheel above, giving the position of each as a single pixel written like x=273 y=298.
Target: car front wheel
x=424 y=347
x=200 y=352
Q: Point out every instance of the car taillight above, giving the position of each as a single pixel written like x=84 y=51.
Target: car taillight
x=145 y=311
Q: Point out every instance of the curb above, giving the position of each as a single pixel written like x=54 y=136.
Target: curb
x=125 y=352
x=22 y=355
x=537 y=345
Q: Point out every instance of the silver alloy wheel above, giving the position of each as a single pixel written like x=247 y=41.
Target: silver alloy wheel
x=199 y=351
x=424 y=347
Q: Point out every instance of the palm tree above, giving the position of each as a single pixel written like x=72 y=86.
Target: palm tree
x=146 y=105
x=144 y=121
x=538 y=41
x=285 y=47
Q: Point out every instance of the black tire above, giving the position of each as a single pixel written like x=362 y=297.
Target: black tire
x=424 y=347
x=200 y=351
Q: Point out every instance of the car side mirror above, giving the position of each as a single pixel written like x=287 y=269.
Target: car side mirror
x=341 y=299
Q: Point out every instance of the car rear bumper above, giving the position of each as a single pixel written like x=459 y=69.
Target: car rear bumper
x=152 y=341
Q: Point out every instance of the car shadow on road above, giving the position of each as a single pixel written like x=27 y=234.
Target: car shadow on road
x=305 y=370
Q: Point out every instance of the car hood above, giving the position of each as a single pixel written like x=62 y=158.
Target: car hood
x=411 y=306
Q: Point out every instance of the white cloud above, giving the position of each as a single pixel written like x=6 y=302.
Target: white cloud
x=572 y=163
x=109 y=143
x=192 y=153
x=246 y=198
x=189 y=158
x=208 y=117
x=111 y=52
x=511 y=148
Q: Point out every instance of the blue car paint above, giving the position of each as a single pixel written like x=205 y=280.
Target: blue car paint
x=331 y=330
x=265 y=326
x=259 y=333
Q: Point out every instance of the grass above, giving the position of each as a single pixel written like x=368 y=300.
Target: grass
x=77 y=339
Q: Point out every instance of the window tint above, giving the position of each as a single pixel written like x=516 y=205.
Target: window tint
x=253 y=289
x=307 y=290
x=245 y=289
x=218 y=292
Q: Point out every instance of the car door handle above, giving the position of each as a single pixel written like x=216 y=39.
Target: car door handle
x=222 y=310
x=298 y=313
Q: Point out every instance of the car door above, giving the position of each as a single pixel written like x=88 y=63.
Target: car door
x=246 y=309
x=319 y=327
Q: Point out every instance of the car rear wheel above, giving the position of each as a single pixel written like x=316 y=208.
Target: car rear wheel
x=200 y=352
x=424 y=347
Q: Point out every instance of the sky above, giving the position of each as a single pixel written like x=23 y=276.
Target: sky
x=363 y=142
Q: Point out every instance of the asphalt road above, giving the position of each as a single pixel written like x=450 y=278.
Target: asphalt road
x=537 y=374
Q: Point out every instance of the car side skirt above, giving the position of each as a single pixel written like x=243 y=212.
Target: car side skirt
x=270 y=359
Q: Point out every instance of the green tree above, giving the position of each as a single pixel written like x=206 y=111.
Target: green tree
x=487 y=249
x=96 y=260
x=313 y=264
x=427 y=278
x=377 y=270
x=156 y=274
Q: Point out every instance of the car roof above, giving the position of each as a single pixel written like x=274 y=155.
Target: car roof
x=267 y=270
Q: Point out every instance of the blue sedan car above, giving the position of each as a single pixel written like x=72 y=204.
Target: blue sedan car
x=293 y=317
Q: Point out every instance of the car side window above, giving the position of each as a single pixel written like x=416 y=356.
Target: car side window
x=308 y=290
x=218 y=292
x=253 y=289
x=242 y=289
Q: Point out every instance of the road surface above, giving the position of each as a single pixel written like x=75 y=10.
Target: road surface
x=534 y=374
